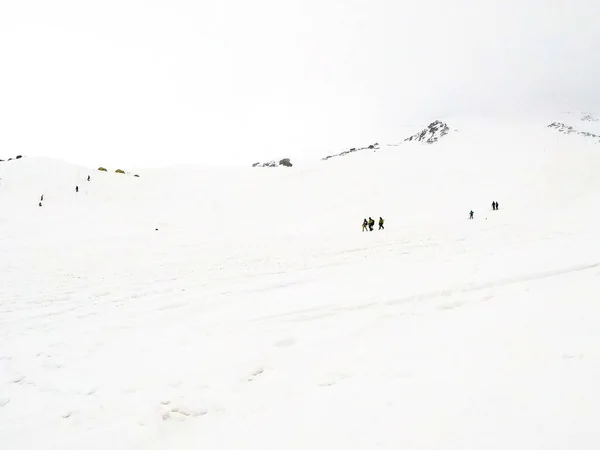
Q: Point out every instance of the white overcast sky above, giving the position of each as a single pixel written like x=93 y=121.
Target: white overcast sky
x=134 y=82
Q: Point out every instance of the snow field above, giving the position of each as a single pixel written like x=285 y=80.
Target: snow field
x=259 y=316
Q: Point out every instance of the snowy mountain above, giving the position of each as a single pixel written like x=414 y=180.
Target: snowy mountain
x=432 y=133
x=242 y=308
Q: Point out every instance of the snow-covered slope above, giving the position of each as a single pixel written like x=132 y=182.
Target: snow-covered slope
x=583 y=124
x=229 y=309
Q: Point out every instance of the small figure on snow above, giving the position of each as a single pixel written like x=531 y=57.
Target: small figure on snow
x=365 y=225
x=88 y=178
x=471 y=214
x=371 y=224
x=381 y=223
x=42 y=198
x=76 y=188
x=40 y=204
x=493 y=206
x=496 y=206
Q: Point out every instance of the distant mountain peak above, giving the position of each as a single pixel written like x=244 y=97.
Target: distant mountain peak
x=432 y=133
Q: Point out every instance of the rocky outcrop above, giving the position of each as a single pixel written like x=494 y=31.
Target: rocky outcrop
x=285 y=162
x=119 y=171
x=588 y=117
x=374 y=146
x=433 y=133
x=567 y=129
x=10 y=159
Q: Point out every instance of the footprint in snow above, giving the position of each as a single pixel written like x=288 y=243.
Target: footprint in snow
x=182 y=413
x=256 y=373
x=285 y=342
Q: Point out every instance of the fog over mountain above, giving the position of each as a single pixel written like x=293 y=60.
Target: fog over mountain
x=233 y=82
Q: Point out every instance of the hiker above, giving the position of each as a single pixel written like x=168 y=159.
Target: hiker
x=493 y=206
x=88 y=178
x=381 y=223
x=40 y=204
x=42 y=198
x=76 y=188
x=371 y=224
x=365 y=224
x=496 y=206
x=471 y=214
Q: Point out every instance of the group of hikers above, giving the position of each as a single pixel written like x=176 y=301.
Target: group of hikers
x=76 y=190
x=369 y=224
x=494 y=208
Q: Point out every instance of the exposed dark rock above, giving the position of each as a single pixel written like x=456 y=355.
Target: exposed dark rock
x=588 y=117
x=567 y=129
x=352 y=150
x=283 y=162
x=11 y=159
x=431 y=134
